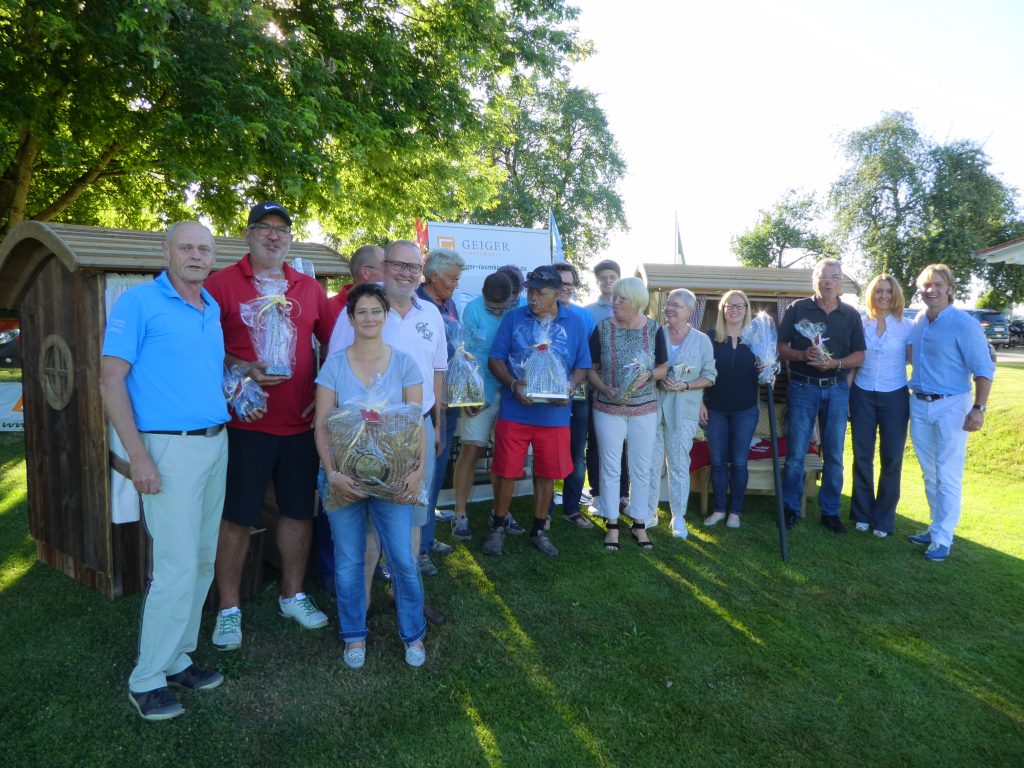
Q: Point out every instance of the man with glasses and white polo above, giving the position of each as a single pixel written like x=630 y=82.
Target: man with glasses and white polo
x=819 y=389
x=279 y=446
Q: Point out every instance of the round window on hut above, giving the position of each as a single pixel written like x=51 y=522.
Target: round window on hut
x=57 y=372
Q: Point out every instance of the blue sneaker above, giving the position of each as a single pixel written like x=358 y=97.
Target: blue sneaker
x=924 y=537
x=937 y=552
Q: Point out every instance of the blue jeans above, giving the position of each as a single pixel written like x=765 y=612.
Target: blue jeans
x=394 y=527
x=729 y=436
x=451 y=421
x=886 y=414
x=572 y=487
x=831 y=407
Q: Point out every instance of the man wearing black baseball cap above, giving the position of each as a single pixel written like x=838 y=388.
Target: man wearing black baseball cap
x=278 y=446
x=524 y=421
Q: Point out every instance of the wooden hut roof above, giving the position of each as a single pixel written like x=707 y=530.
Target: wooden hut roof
x=754 y=281
x=28 y=247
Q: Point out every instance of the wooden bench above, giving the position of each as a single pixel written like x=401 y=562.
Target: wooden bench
x=761 y=481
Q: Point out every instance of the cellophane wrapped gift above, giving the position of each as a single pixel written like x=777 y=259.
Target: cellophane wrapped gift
x=270 y=326
x=464 y=385
x=631 y=379
x=816 y=333
x=376 y=443
x=763 y=341
x=243 y=394
x=542 y=364
x=678 y=368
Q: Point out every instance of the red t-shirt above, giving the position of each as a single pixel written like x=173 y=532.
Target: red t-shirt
x=339 y=300
x=312 y=315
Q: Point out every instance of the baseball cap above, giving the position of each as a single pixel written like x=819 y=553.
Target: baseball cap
x=544 y=277
x=265 y=209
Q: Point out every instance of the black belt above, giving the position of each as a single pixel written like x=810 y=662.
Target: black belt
x=828 y=381
x=929 y=398
x=206 y=432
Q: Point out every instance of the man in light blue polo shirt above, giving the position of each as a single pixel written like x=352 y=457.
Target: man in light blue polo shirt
x=162 y=383
x=948 y=348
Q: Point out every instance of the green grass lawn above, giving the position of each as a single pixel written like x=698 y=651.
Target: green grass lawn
x=857 y=652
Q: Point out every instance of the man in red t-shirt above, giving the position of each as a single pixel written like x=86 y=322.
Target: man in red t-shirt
x=365 y=267
x=279 y=446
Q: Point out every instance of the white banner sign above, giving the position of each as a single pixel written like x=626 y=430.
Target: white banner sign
x=486 y=248
x=12 y=416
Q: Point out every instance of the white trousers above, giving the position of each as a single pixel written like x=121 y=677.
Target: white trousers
x=183 y=520
x=937 y=431
x=612 y=433
x=673 y=446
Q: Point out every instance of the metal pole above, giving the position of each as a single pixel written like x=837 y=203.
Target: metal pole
x=780 y=509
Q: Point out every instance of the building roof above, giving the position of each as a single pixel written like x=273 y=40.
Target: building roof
x=754 y=281
x=1011 y=252
x=29 y=246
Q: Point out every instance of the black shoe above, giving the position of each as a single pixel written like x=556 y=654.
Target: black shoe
x=792 y=518
x=196 y=678
x=433 y=615
x=158 y=704
x=833 y=523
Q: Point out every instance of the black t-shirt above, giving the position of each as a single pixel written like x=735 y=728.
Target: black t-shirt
x=844 y=332
x=735 y=387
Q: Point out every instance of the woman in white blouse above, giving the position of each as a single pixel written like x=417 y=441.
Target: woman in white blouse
x=880 y=405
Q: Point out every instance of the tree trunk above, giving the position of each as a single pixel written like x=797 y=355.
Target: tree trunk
x=79 y=185
x=21 y=171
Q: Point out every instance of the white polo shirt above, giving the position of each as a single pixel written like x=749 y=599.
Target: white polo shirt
x=420 y=334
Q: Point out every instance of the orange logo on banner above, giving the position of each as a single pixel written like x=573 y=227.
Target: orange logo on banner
x=18 y=406
x=446 y=242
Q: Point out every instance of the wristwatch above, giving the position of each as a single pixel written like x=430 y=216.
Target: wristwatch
x=979 y=407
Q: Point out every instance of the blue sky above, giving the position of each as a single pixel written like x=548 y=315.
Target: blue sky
x=721 y=107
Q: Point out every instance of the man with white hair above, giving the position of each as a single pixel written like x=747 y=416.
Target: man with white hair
x=819 y=389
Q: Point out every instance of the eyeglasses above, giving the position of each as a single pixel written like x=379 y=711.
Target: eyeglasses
x=829 y=278
x=735 y=307
x=404 y=266
x=265 y=229
x=675 y=305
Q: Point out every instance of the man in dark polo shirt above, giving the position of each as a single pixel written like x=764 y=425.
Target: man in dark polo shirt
x=819 y=389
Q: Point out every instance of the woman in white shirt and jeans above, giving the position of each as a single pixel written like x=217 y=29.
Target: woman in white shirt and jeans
x=880 y=405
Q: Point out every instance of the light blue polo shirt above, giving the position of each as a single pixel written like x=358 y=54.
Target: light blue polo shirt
x=946 y=352
x=176 y=353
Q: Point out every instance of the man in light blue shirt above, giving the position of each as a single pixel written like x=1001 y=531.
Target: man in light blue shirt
x=948 y=348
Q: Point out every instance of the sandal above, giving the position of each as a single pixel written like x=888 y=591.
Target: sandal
x=580 y=520
x=612 y=546
x=648 y=545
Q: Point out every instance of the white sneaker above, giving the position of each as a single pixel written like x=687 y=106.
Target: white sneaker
x=881 y=534
x=440 y=548
x=862 y=527
x=733 y=521
x=303 y=611
x=714 y=518
x=227 y=632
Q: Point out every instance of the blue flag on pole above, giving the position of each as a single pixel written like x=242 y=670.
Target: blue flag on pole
x=557 y=252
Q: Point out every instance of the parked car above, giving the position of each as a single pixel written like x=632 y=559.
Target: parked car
x=995 y=325
x=10 y=343
x=910 y=313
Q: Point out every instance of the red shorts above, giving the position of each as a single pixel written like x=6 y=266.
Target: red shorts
x=551 y=455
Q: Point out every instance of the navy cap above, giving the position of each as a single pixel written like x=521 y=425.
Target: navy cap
x=544 y=277
x=265 y=209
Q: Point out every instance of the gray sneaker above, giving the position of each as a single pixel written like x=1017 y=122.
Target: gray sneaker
x=427 y=568
x=541 y=541
x=511 y=526
x=227 y=632
x=159 y=704
x=303 y=611
x=460 y=528
x=494 y=541
x=440 y=548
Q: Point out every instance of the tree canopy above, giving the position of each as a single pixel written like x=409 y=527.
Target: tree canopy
x=362 y=115
x=906 y=202
x=556 y=152
x=784 y=235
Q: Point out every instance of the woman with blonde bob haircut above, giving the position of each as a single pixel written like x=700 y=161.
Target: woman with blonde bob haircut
x=880 y=406
x=730 y=409
x=629 y=359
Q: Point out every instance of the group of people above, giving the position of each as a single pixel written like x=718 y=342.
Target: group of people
x=635 y=390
